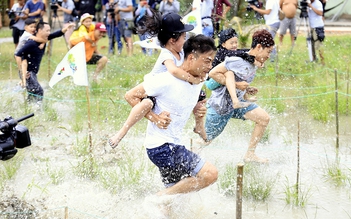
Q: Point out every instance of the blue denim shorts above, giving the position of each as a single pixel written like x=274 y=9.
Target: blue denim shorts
x=215 y=123
x=175 y=162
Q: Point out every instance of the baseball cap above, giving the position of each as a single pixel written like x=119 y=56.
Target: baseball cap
x=85 y=16
x=101 y=27
x=226 y=34
x=172 y=22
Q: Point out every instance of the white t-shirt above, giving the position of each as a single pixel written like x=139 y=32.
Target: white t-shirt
x=22 y=40
x=124 y=4
x=206 y=7
x=272 y=17
x=18 y=11
x=315 y=19
x=174 y=96
x=165 y=54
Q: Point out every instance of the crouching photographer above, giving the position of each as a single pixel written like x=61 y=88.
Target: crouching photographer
x=315 y=14
x=70 y=15
x=13 y=136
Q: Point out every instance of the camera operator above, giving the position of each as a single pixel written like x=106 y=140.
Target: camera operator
x=69 y=16
x=19 y=17
x=315 y=14
x=271 y=18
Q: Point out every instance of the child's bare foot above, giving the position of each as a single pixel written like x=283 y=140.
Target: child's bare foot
x=114 y=141
x=254 y=159
x=240 y=105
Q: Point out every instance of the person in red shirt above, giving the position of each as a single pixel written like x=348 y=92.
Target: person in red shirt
x=219 y=14
x=91 y=53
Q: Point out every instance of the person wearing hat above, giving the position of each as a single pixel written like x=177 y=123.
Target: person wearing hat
x=91 y=53
x=86 y=26
x=228 y=44
x=221 y=106
x=171 y=34
x=182 y=170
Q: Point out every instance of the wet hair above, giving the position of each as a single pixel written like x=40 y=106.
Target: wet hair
x=262 y=37
x=198 y=44
x=153 y=26
x=41 y=25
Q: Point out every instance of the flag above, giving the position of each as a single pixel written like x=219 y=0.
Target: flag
x=149 y=43
x=194 y=18
x=73 y=64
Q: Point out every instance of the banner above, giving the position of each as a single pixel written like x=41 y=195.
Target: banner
x=151 y=43
x=73 y=64
x=194 y=18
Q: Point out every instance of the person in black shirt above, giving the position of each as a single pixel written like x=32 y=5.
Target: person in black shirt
x=33 y=54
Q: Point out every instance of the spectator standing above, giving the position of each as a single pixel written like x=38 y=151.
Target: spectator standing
x=220 y=14
x=113 y=33
x=18 y=27
x=205 y=7
x=67 y=8
x=271 y=17
x=34 y=9
x=289 y=7
x=315 y=15
x=167 y=6
x=140 y=13
x=87 y=6
x=126 y=23
x=91 y=52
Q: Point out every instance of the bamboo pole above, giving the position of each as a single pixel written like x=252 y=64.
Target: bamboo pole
x=239 y=190
x=336 y=109
x=89 y=121
x=298 y=160
x=347 y=90
x=66 y=212
x=10 y=72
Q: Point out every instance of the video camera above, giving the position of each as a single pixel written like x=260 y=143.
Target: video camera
x=253 y=2
x=11 y=14
x=53 y=4
x=111 y=7
x=14 y=136
x=303 y=8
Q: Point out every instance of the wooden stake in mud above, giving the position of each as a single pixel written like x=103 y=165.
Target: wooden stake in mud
x=239 y=190
x=66 y=212
x=89 y=121
x=336 y=109
x=298 y=160
x=347 y=90
x=10 y=71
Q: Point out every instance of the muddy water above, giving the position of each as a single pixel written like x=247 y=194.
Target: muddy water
x=87 y=199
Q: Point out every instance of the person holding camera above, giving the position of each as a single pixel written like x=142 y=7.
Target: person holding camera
x=126 y=23
x=315 y=14
x=167 y=6
x=69 y=15
x=18 y=17
x=271 y=18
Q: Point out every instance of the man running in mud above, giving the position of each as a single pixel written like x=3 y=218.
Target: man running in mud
x=182 y=171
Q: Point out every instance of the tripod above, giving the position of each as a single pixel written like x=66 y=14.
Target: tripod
x=55 y=19
x=309 y=38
